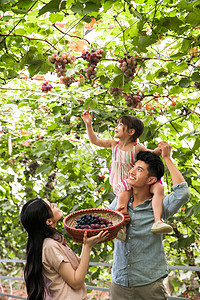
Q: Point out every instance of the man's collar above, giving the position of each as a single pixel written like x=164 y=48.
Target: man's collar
x=132 y=199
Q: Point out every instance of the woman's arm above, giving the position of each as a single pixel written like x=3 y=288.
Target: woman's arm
x=76 y=278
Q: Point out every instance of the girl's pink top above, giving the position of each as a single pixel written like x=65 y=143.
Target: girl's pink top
x=122 y=162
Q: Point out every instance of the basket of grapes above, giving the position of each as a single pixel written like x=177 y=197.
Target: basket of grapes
x=93 y=220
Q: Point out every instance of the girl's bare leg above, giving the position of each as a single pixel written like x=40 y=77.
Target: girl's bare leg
x=159 y=226
x=123 y=199
x=157 y=201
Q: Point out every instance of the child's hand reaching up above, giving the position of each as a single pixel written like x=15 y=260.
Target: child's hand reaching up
x=87 y=117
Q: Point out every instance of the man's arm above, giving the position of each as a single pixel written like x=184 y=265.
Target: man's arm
x=173 y=202
x=176 y=175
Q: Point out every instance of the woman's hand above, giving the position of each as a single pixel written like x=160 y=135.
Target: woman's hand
x=91 y=241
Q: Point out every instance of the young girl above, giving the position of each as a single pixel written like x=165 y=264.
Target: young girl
x=53 y=270
x=124 y=151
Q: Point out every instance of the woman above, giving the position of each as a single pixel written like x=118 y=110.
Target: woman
x=53 y=270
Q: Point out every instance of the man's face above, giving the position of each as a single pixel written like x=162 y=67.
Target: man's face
x=138 y=175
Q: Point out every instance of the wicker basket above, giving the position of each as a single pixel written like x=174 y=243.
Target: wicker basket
x=114 y=216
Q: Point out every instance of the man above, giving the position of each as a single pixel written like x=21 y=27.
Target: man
x=139 y=264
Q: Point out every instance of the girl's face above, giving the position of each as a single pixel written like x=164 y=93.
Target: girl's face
x=57 y=213
x=122 y=132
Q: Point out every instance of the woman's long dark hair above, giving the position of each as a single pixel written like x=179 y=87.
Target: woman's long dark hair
x=33 y=217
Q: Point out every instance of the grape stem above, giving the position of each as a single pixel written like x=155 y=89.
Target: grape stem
x=30 y=38
x=75 y=36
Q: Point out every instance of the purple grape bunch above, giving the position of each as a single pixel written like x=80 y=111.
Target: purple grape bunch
x=89 y=221
x=115 y=92
x=134 y=100
x=67 y=80
x=60 y=61
x=128 y=65
x=92 y=57
x=46 y=87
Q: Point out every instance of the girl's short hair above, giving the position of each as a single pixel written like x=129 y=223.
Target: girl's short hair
x=133 y=123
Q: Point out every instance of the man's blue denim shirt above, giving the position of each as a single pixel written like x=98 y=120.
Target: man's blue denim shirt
x=141 y=259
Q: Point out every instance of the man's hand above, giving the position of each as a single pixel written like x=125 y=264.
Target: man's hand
x=165 y=149
x=176 y=175
x=125 y=213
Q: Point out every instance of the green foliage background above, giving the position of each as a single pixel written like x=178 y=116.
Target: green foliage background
x=39 y=132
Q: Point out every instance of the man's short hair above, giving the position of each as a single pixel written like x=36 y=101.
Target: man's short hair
x=155 y=165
